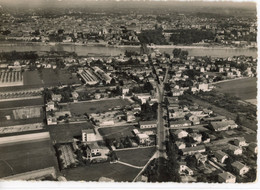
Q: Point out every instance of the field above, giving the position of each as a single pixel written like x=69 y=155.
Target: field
x=118 y=172
x=65 y=132
x=245 y=89
x=116 y=132
x=137 y=157
x=24 y=157
x=96 y=106
x=19 y=116
x=21 y=103
x=25 y=113
x=48 y=77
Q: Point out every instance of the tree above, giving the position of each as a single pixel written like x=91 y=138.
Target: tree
x=148 y=86
x=176 y=52
x=167 y=87
x=113 y=81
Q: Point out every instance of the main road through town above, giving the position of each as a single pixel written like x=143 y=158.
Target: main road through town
x=161 y=121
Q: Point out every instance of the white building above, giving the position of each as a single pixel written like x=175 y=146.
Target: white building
x=147 y=124
x=226 y=177
x=88 y=135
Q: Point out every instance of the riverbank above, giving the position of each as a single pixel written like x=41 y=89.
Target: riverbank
x=201 y=46
x=106 y=50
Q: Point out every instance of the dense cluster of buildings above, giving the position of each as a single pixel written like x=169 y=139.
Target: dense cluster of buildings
x=123 y=28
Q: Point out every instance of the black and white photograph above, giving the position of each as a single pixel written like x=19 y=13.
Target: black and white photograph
x=137 y=91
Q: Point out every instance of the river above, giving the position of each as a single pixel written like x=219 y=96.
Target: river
x=84 y=50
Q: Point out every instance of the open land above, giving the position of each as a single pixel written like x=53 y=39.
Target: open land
x=17 y=116
x=137 y=157
x=96 y=106
x=116 y=132
x=246 y=89
x=21 y=103
x=221 y=111
x=48 y=77
x=65 y=132
x=118 y=172
x=24 y=157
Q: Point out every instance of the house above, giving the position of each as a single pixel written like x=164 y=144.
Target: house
x=221 y=156
x=226 y=177
x=180 y=123
x=143 y=98
x=177 y=92
x=142 y=178
x=130 y=117
x=203 y=87
x=193 y=150
x=184 y=169
x=125 y=90
x=75 y=95
x=180 y=145
x=235 y=150
x=214 y=119
x=201 y=158
x=143 y=138
x=50 y=106
x=136 y=107
x=180 y=133
x=96 y=153
x=193 y=118
x=88 y=135
x=253 y=147
x=193 y=89
x=51 y=120
x=56 y=97
x=196 y=137
x=105 y=179
x=94 y=150
x=240 y=168
x=223 y=125
x=207 y=111
x=147 y=124
x=240 y=142
x=188 y=179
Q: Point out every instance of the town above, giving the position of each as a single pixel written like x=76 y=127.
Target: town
x=145 y=115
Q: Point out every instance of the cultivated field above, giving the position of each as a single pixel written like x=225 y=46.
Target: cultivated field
x=26 y=113
x=48 y=77
x=96 y=106
x=24 y=157
x=65 y=132
x=21 y=103
x=19 y=116
x=137 y=157
x=242 y=88
x=118 y=172
x=116 y=132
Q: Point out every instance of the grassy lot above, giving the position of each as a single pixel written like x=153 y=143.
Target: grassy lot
x=137 y=157
x=27 y=112
x=222 y=111
x=17 y=121
x=65 y=132
x=96 y=106
x=21 y=103
x=118 y=172
x=242 y=88
x=48 y=77
x=116 y=132
x=20 y=158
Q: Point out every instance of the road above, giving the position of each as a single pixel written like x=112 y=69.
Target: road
x=161 y=122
